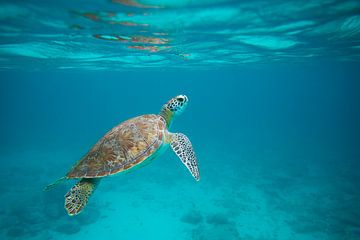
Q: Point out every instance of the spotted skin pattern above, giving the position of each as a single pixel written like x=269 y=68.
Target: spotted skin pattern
x=122 y=148
x=184 y=150
x=177 y=104
x=78 y=196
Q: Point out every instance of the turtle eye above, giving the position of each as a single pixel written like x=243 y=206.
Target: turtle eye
x=180 y=99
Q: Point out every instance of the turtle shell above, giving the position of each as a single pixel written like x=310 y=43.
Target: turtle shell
x=122 y=148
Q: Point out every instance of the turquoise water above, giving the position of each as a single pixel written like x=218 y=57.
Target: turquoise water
x=273 y=115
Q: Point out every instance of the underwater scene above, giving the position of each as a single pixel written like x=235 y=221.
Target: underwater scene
x=247 y=128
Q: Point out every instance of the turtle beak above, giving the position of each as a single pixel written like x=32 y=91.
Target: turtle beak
x=182 y=98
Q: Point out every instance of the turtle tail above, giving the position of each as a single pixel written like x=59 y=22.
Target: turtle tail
x=55 y=184
x=78 y=196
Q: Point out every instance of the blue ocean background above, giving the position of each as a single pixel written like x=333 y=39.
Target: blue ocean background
x=273 y=115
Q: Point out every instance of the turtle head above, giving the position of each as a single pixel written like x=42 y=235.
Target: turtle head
x=173 y=107
x=177 y=104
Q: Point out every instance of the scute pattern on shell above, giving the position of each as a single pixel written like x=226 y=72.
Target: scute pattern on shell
x=123 y=147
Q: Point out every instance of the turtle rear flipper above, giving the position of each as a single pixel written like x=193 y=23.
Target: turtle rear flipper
x=77 y=197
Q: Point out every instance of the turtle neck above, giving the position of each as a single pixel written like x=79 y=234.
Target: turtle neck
x=167 y=115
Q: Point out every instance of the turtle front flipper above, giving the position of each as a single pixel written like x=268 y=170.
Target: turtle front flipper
x=181 y=145
x=78 y=196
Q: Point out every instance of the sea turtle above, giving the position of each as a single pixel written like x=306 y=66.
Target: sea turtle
x=127 y=146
